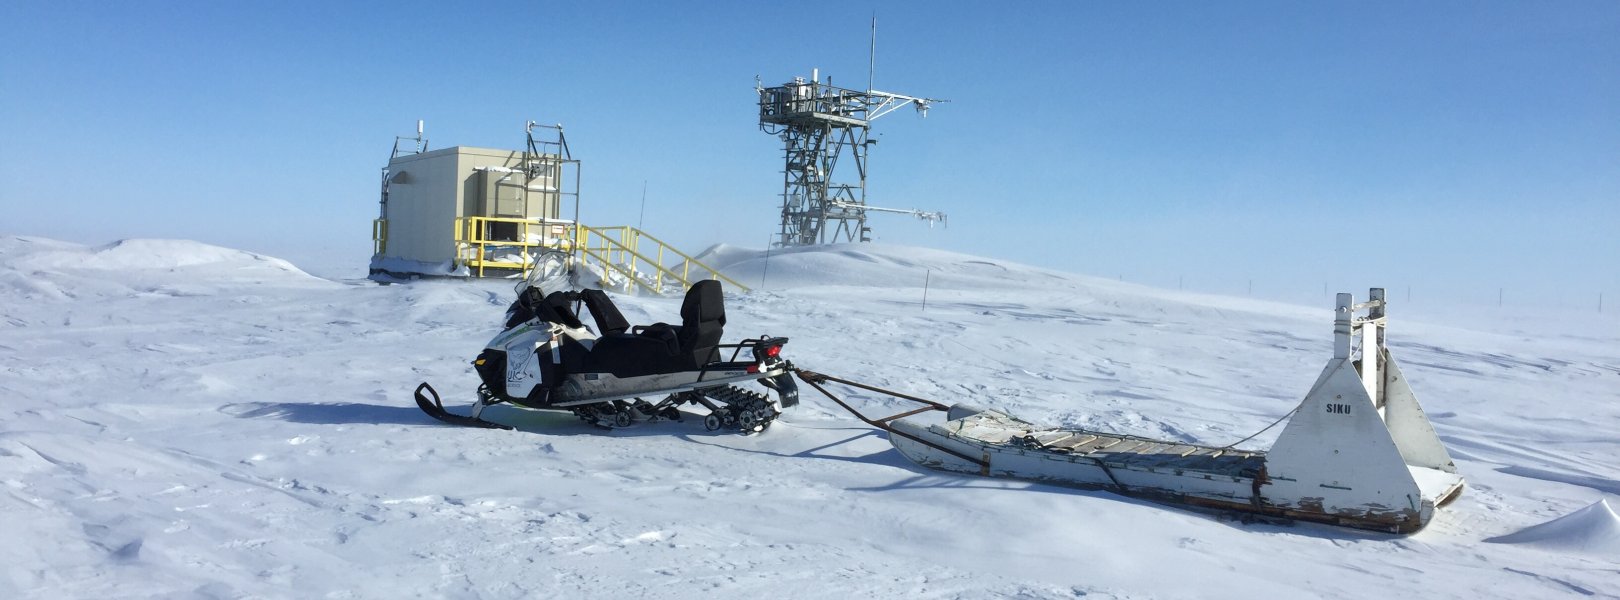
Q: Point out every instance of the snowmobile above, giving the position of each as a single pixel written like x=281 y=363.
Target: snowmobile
x=545 y=358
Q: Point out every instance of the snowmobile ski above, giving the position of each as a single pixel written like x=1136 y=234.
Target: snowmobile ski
x=431 y=405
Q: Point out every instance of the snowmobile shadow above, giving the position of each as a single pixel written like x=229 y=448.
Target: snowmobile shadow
x=555 y=423
x=329 y=413
x=358 y=413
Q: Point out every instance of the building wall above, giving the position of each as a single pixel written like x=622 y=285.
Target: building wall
x=422 y=206
x=538 y=205
x=437 y=188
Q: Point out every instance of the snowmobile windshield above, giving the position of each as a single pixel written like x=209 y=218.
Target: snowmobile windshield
x=550 y=270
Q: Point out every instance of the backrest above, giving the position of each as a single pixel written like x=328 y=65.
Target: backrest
x=608 y=319
x=559 y=303
x=703 y=319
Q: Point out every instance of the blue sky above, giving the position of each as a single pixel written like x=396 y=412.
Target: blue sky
x=1455 y=148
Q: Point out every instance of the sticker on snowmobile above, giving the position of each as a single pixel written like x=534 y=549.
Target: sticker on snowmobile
x=520 y=370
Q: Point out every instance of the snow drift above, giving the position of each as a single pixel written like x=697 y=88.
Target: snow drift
x=871 y=265
x=1594 y=530
x=32 y=254
x=182 y=420
x=39 y=269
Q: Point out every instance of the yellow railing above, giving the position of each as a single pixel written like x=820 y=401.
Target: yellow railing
x=479 y=247
x=379 y=236
x=626 y=251
x=641 y=257
x=602 y=260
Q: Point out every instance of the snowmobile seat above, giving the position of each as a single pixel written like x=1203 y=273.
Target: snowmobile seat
x=609 y=321
x=703 y=321
x=665 y=348
x=633 y=355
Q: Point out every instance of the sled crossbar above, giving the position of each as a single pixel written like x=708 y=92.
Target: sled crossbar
x=816 y=379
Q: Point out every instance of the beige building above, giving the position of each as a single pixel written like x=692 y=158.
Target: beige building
x=481 y=212
x=447 y=209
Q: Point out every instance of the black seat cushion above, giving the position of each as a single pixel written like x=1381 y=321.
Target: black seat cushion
x=670 y=335
x=630 y=355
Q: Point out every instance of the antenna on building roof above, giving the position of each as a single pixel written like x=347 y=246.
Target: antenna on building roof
x=418 y=148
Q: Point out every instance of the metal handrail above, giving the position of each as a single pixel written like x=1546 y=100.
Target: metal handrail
x=624 y=248
x=617 y=253
x=631 y=247
x=585 y=251
x=687 y=259
x=471 y=245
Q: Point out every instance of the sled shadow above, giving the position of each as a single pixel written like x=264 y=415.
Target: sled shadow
x=925 y=478
x=887 y=458
x=1244 y=522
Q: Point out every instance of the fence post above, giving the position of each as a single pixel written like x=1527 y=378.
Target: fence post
x=926 y=276
x=767 y=270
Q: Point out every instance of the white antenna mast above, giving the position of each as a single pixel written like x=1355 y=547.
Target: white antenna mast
x=871 y=63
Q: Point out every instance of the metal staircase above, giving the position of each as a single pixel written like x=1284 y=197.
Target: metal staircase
x=621 y=255
x=646 y=261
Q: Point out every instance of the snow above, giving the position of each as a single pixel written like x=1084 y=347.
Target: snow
x=1594 y=529
x=184 y=420
x=401 y=265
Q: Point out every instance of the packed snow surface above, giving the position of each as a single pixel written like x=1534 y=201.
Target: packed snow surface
x=1594 y=529
x=182 y=420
